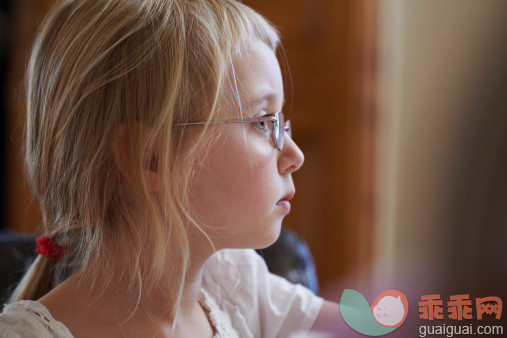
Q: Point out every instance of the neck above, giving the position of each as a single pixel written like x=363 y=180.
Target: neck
x=114 y=304
x=156 y=302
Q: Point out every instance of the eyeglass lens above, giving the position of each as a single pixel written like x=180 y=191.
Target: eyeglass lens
x=280 y=126
x=278 y=130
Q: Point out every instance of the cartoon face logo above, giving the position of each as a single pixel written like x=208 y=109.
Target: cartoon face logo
x=387 y=313
x=389 y=308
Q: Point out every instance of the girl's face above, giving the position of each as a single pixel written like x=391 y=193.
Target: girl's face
x=236 y=187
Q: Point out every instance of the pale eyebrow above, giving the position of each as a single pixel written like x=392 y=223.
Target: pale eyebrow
x=266 y=97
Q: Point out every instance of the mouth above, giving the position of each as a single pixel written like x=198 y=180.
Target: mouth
x=288 y=196
x=284 y=203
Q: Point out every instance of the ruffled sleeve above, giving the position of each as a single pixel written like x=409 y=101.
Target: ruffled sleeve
x=30 y=319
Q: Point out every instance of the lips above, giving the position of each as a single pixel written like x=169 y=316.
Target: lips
x=284 y=203
x=288 y=196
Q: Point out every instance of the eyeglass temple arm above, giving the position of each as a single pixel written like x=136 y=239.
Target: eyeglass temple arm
x=245 y=120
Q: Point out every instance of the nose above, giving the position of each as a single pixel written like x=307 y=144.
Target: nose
x=291 y=158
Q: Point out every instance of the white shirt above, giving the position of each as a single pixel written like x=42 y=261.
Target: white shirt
x=243 y=300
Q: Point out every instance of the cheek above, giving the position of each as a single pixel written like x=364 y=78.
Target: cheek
x=237 y=186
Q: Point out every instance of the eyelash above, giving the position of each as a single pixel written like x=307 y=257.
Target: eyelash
x=261 y=125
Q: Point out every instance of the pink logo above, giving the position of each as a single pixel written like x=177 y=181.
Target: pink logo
x=390 y=308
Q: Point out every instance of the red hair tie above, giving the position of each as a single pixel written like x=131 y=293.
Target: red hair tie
x=48 y=248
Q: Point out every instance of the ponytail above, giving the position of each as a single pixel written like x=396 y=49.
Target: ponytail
x=37 y=281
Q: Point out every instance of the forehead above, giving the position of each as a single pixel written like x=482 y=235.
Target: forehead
x=258 y=76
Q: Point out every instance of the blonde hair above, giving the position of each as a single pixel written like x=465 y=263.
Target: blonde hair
x=97 y=65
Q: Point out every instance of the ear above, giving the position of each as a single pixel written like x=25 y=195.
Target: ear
x=122 y=154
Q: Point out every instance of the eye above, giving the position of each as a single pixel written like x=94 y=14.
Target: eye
x=261 y=125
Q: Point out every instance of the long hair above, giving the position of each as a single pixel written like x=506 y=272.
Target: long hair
x=98 y=65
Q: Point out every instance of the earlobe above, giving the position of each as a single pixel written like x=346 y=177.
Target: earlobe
x=122 y=155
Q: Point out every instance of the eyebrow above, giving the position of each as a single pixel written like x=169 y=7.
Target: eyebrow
x=266 y=97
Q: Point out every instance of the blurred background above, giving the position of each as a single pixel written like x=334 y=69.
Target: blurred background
x=400 y=107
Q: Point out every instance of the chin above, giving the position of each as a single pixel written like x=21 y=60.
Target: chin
x=269 y=237
x=260 y=239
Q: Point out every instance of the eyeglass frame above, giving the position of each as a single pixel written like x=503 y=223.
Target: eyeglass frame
x=274 y=118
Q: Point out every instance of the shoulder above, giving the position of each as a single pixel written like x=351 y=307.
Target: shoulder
x=30 y=319
x=235 y=271
x=267 y=304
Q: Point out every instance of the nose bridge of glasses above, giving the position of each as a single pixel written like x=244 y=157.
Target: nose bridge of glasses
x=288 y=128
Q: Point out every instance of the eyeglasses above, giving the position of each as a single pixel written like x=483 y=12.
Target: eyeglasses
x=276 y=119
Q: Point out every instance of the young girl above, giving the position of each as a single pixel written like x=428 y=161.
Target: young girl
x=159 y=154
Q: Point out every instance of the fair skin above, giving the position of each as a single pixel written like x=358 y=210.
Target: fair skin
x=234 y=191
